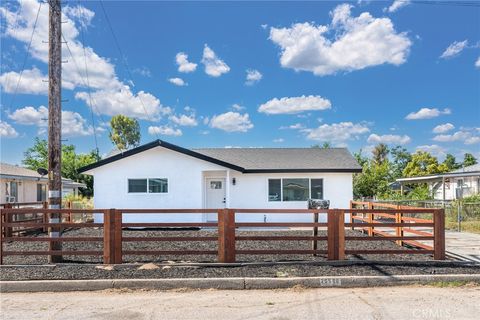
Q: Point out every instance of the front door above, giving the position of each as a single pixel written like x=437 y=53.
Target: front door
x=215 y=192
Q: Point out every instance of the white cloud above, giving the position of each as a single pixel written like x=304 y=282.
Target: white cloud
x=427 y=113
x=477 y=63
x=214 y=66
x=32 y=82
x=442 y=128
x=7 y=131
x=433 y=149
x=309 y=47
x=73 y=124
x=279 y=140
x=389 y=139
x=143 y=71
x=231 y=122
x=102 y=78
x=237 y=107
x=184 y=120
x=177 y=81
x=253 y=76
x=287 y=105
x=337 y=133
x=293 y=126
x=454 y=49
x=465 y=135
x=397 y=4
x=183 y=64
x=164 y=130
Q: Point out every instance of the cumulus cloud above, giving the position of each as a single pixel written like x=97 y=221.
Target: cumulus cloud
x=454 y=49
x=292 y=105
x=477 y=63
x=214 y=66
x=177 y=81
x=253 y=76
x=165 y=131
x=31 y=82
x=442 y=128
x=7 y=131
x=341 y=45
x=337 y=133
x=427 y=113
x=237 y=107
x=184 y=120
x=433 y=149
x=184 y=65
x=73 y=124
x=279 y=140
x=465 y=135
x=231 y=122
x=396 y=5
x=389 y=139
x=102 y=78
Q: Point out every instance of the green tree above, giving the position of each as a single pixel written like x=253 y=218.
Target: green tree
x=380 y=153
x=361 y=159
x=469 y=160
x=325 y=145
x=373 y=181
x=125 y=132
x=423 y=163
x=37 y=157
x=451 y=162
x=401 y=157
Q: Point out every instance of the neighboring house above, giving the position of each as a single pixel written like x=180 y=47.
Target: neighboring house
x=452 y=185
x=18 y=184
x=163 y=175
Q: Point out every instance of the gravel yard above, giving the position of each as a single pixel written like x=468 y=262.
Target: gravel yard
x=139 y=266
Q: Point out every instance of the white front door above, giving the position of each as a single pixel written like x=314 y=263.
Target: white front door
x=215 y=192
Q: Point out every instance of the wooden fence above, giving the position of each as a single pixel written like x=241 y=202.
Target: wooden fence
x=227 y=237
x=23 y=217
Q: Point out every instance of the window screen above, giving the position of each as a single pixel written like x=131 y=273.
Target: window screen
x=274 y=190
x=316 y=185
x=137 y=185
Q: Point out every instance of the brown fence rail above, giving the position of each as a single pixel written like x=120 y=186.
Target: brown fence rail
x=375 y=221
x=23 y=217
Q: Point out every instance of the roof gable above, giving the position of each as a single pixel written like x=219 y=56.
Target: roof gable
x=256 y=160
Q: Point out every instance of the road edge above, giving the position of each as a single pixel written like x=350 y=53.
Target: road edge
x=231 y=283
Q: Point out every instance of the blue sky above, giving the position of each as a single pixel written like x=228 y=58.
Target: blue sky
x=272 y=74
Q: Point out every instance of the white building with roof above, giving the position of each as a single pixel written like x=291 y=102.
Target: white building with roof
x=19 y=184
x=163 y=175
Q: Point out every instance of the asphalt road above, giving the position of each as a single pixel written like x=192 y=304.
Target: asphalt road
x=334 y=303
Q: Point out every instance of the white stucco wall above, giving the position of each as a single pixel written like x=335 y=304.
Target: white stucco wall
x=186 y=187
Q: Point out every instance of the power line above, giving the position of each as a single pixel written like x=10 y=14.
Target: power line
x=26 y=55
x=117 y=44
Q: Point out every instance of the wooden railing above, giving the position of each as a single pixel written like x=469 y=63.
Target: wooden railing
x=113 y=237
x=400 y=221
x=28 y=217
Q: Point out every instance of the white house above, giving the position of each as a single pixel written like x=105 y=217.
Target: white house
x=452 y=185
x=163 y=175
x=18 y=184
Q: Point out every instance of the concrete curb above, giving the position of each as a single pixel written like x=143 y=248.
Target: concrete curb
x=230 y=283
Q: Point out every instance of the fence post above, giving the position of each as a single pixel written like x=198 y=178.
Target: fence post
x=226 y=235
x=351 y=215
x=118 y=243
x=8 y=219
x=370 y=219
x=336 y=234
x=1 y=239
x=45 y=216
x=439 y=234
x=108 y=234
x=315 y=233
x=399 y=230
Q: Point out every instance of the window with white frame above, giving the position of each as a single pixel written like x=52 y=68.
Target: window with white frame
x=148 y=185
x=294 y=189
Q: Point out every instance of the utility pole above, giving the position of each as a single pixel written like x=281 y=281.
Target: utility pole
x=55 y=122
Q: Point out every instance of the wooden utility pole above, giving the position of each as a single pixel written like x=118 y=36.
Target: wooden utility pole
x=55 y=122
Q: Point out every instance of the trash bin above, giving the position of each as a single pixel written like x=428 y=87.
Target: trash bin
x=318 y=204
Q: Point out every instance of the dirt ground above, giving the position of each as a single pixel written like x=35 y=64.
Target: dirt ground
x=416 y=302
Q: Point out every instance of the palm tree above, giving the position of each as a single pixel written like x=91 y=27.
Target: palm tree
x=380 y=153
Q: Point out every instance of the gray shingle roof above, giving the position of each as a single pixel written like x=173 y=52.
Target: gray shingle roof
x=472 y=168
x=13 y=170
x=284 y=158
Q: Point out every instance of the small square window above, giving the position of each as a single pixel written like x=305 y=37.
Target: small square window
x=215 y=184
x=137 y=185
x=157 y=185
